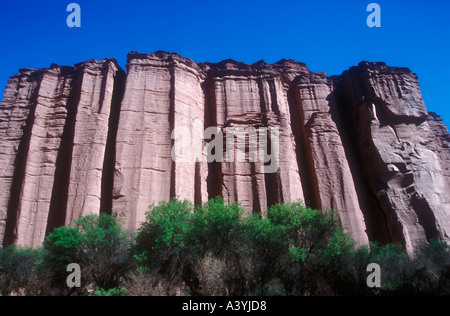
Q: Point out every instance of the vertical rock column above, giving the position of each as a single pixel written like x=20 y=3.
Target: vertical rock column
x=91 y=128
x=163 y=92
x=335 y=183
x=238 y=106
x=16 y=116
x=278 y=113
x=188 y=120
x=143 y=147
x=248 y=98
x=30 y=200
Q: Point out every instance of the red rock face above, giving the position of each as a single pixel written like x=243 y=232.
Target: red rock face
x=402 y=149
x=93 y=138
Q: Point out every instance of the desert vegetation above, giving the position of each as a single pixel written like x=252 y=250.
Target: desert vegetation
x=215 y=250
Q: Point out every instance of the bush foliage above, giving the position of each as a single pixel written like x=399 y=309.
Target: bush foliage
x=98 y=244
x=214 y=249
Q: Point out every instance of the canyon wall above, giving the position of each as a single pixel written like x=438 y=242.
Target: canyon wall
x=94 y=138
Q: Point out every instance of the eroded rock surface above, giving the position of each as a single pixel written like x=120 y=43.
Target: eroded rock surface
x=399 y=150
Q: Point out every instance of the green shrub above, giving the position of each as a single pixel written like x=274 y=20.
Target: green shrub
x=217 y=236
x=20 y=271
x=436 y=258
x=426 y=273
x=216 y=227
x=177 y=239
x=422 y=273
x=98 y=244
x=120 y=291
x=296 y=245
x=161 y=242
x=213 y=249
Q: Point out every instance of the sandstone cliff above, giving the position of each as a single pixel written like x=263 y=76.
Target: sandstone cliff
x=94 y=138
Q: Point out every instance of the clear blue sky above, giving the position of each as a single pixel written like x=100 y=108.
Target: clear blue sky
x=327 y=35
